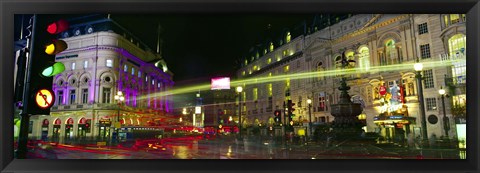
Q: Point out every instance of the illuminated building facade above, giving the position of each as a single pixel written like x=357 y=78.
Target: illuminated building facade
x=384 y=46
x=102 y=59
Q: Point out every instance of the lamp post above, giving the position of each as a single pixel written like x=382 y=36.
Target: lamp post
x=119 y=98
x=239 y=91
x=418 y=74
x=446 y=121
x=309 y=101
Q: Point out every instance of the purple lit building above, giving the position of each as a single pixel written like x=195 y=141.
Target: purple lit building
x=102 y=59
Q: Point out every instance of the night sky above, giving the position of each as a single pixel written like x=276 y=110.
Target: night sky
x=197 y=47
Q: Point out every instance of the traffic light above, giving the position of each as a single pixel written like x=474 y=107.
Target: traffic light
x=278 y=115
x=42 y=66
x=290 y=109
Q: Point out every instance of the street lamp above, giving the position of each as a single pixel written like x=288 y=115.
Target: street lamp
x=239 y=91
x=418 y=74
x=309 y=101
x=119 y=98
x=446 y=121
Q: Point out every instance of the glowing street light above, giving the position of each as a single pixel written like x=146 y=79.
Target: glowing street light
x=446 y=121
x=309 y=101
x=119 y=98
x=239 y=91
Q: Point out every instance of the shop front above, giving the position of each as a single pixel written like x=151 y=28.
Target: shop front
x=69 y=129
x=394 y=123
x=56 y=130
x=104 y=128
x=44 y=131
x=81 y=129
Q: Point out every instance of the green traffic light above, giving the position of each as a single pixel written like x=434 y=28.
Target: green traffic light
x=53 y=70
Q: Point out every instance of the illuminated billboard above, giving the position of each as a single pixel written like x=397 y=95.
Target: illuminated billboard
x=220 y=83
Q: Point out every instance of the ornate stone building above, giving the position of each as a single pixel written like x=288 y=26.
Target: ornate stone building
x=384 y=47
x=103 y=58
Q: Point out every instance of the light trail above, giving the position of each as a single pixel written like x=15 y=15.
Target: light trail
x=338 y=72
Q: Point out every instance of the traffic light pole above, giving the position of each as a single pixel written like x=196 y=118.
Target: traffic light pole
x=25 y=118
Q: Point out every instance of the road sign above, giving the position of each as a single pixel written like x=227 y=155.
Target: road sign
x=44 y=98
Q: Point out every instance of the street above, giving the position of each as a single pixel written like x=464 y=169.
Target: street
x=229 y=148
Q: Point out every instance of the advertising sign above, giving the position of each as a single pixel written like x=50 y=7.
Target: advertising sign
x=383 y=90
x=220 y=83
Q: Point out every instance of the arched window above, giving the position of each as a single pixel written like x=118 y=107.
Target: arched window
x=320 y=69
x=364 y=58
x=391 y=52
x=457 y=49
x=350 y=56
x=457 y=45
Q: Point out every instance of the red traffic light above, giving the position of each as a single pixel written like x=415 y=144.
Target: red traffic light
x=57 y=27
x=277 y=113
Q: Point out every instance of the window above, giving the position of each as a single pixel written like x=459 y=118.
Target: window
x=445 y=20
x=84 y=96
x=364 y=59
x=270 y=90
x=391 y=53
x=85 y=64
x=72 y=96
x=271 y=46
x=73 y=66
x=125 y=68
x=153 y=81
x=350 y=56
x=285 y=52
x=431 y=104
x=286 y=68
x=158 y=84
x=139 y=74
x=321 y=102
x=269 y=60
x=146 y=78
x=428 y=78
x=60 y=97
x=133 y=71
x=320 y=69
x=454 y=18
x=457 y=49
x=109 y=63
x=457 y=45
x=422 y=28
x=255 y=94
x=106 y=95
x=425 y=51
